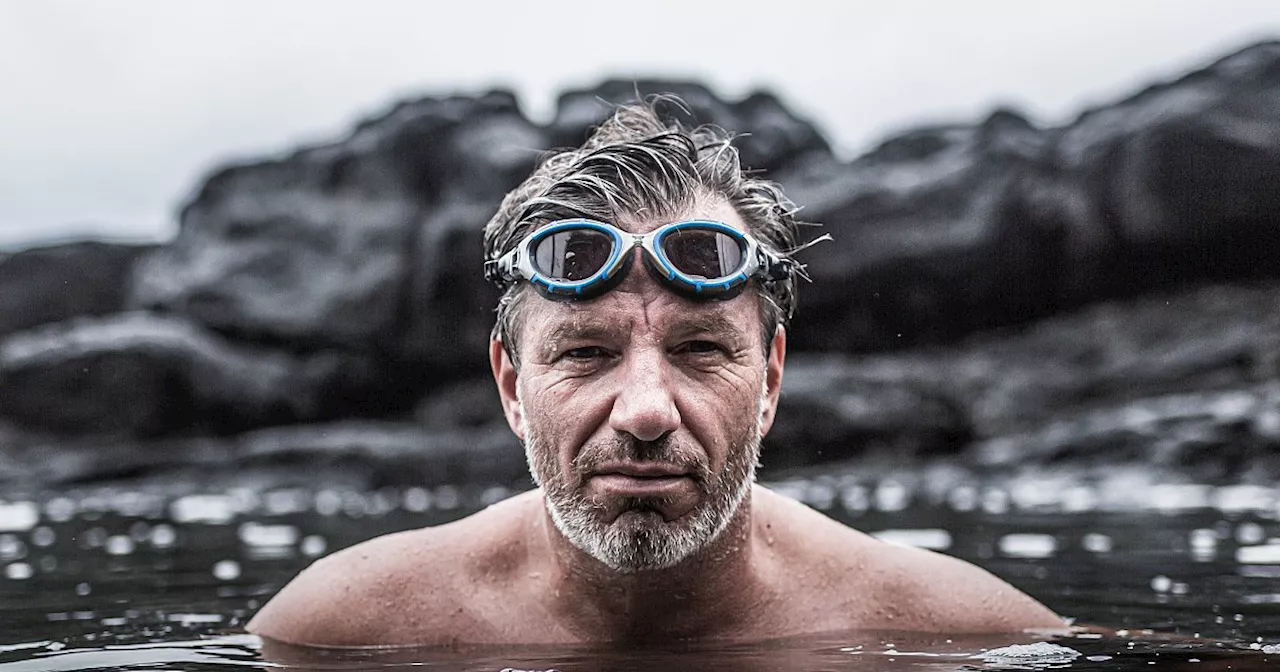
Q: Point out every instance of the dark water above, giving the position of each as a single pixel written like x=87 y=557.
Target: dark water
x=152 y=578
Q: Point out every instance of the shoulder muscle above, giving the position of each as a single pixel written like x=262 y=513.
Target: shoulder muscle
x=345 y=599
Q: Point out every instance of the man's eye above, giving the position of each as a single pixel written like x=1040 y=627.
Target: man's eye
x=587 y=352
x=702 y=347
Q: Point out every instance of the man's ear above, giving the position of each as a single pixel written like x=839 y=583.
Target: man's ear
x=507 y=378
x=773 y=378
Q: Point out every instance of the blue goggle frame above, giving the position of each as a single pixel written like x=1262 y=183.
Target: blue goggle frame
x=756 y=262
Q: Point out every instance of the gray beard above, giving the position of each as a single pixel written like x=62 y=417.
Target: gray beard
x=639 y=539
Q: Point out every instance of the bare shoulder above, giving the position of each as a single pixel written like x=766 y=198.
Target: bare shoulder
x=888 y=586
x=938 y=592
x=403 y=588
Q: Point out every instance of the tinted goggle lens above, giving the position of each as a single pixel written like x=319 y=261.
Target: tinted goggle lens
x=703 y=254
x=572 y=255
x=577 y=254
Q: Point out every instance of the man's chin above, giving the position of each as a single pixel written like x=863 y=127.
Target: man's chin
x=649 y=511
x=637 y=538
x=644 y=519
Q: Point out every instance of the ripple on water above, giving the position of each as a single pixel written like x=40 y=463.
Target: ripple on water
x=226 y=570
x=258 y=534
x=18 y=571
x=211 y=509
x=313 y=545
x=60 y=509
x=1156 y=556
x=18 y=516
x=43 y=536
x=1036 y=654
x=1266 y=554
x=1028 y=545
x=119 y=544
x=163 y=536
x=932 y=539
x=1096 y=542
x=1249 y=533
x=11 y=547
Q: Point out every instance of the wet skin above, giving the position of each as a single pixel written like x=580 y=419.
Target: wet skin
x=645 y=364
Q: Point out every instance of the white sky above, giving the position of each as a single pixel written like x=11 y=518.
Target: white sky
x=111 y=112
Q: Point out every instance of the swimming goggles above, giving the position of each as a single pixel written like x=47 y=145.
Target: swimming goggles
x=580 y=259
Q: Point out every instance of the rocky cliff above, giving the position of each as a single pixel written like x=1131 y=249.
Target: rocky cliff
x=1001 y=295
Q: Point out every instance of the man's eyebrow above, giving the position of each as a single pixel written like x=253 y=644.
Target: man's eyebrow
x=707 y=323
x=686 y=326
x=578 y=330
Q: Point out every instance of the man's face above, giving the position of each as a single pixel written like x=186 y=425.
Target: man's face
x=642 y=411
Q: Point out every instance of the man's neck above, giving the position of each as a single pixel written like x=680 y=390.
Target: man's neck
x=708 y=595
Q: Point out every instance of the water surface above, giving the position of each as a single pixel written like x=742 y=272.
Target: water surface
x=1178 y=576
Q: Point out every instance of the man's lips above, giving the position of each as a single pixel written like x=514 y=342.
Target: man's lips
x=641 y=470
x=642 y=479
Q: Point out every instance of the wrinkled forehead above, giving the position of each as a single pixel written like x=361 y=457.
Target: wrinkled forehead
x=622 y=316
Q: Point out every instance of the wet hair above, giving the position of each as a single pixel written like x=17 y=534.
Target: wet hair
x=638 y=162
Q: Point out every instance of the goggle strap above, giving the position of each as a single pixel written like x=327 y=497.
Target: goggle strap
x=775 y=268
x=493 y=272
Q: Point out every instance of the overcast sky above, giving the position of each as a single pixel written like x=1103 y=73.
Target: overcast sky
x=111 y=112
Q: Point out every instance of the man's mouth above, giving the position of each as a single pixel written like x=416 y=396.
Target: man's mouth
x=642 y=470
x=642 y=479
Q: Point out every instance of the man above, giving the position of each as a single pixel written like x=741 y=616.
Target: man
x=638 y=353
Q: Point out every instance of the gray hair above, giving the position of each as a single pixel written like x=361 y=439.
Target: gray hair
x=636 y=162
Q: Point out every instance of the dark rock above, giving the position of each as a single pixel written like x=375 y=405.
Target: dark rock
x=469 y=403
x=929 y=243
x=389 y=454
x=1215 y=338
x=831 y=409
x=1184 y=381
x=32 y=459
x=1217 y=436
x=448 y=308
x=449 y=314
x=1066 y=290
x=1179 y=177
x=321 y=248
x=142 y=375
x=946 y=231
x=55 y=283
x=364 y=455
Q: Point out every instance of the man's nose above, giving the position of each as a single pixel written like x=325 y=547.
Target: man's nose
x=645 y=406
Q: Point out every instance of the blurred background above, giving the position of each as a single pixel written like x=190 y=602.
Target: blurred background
x=114 y=112
x=241 y=239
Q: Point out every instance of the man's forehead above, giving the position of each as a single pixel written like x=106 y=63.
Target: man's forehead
x=557 y=323
x=613 y=316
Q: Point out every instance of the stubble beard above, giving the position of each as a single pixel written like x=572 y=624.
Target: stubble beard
x=639 y=539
